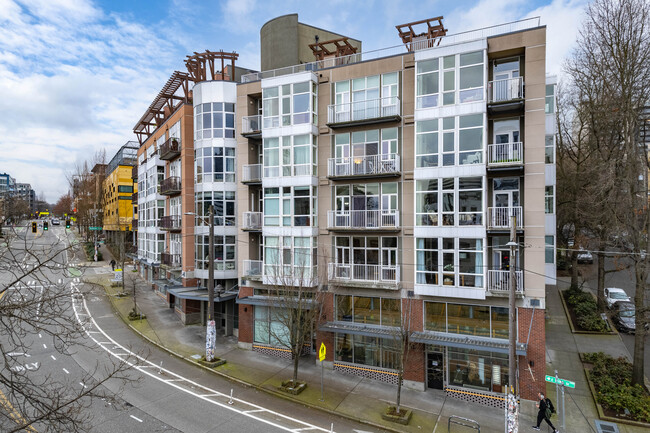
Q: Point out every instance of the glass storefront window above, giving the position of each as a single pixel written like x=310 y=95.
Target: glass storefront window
x=479 y=320
x=436 y=316
x=487 y=371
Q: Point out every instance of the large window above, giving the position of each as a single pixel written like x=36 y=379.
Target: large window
x=269 y=327
x=369 y=351
x=214 y=164
x=366 y=258
x=366 y=205
x=295 y=154
x=366 y=97
x=549 y=149
x=449 y=141
x=548 y=199
x=549 y=255
x=288 y=259
x=297 y=206
x=549 y=107
x=369 y=310
x=480 y=320
x=449 y=201
x=289 y=104
x=224 y=207
x=214 y=120
x=461 y=78
x=224 y=252
x=449 y=261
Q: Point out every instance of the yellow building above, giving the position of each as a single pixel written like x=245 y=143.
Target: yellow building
x=118 y=190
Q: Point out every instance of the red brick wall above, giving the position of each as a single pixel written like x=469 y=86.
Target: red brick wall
x=530 y=385
x=245 y=317
x=326 y=337
x=414 y=365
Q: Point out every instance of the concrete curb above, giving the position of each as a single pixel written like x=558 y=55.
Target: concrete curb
x=247 y=384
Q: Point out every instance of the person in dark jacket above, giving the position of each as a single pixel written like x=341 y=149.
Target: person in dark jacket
x=542 y=414
x=113 y=264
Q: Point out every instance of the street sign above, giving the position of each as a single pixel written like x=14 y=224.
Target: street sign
x=94 y=228
x=564 y=382
x=321 y=352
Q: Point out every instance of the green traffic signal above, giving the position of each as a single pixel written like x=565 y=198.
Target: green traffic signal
x=44 y=225
x=67 y=224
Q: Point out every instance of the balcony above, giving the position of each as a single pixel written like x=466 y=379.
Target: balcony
x=252 y=173
x=251 y=126
x=252 y=221
x=345 y=272
x=364 y=112
x=505 y=155
x=134 y=198
x=170 y=260
x=171 y=186
x=170 y=223
x=499 y=217
x=506 y=95
x=499 y=281
x=134 y=173
x=134 y=223
x=170 y=149
x=253 y=269
x=364 y=166
x=362 y=219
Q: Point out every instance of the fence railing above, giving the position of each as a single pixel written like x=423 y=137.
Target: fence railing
x=499 y=217
x=252 y=173
x=171 y=185
x=363 y=110
x=252 y=220
x=364 y=165
x=509 y=89
x=506 y=153
x=252 y=268
x=172 y=260
x=170 y=148
x=499 y=281
x=362 y=219
x=170 y=222
x=251 y=124
x=377 y=273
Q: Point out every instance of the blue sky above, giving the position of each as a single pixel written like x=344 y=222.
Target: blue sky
x=76 y=75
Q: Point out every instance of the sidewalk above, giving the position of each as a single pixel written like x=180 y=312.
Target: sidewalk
x=363 y=399
x=562 y=348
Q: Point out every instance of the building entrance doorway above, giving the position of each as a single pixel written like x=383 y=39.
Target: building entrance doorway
x=435 y=370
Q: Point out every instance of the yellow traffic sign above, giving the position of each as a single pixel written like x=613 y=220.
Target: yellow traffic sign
x=321 y=352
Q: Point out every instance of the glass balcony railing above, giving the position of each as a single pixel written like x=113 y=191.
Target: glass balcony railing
x=252 y=221
x=252 y=268
x=251 y=125
x=252 y=173
x=362 y=111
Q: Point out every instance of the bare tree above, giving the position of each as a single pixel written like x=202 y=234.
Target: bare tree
x=46 y=403
x=401 y=339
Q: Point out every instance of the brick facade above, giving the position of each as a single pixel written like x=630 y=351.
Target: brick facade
x=245 y=317
x=531 y=384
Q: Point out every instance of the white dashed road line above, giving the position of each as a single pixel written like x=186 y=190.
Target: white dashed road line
x=66 y=371
x=44 y=346
x=52 y=356
x=136 y=418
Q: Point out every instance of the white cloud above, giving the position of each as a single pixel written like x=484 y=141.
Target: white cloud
x=238 y=15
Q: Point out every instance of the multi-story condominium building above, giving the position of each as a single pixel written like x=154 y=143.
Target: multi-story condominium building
x=387 y=182
x=7 y=184
x=118 y=189
x=25 y=192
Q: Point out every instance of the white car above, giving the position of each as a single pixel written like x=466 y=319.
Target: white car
x=585 y=257
x=614 y=295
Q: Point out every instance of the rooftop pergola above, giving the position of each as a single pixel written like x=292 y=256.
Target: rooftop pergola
x=434 y=32
x=169 y=98
x=332 y=48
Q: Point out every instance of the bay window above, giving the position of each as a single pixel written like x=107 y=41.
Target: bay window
x=449 y=261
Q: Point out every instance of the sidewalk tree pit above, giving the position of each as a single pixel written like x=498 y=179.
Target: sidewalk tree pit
x=583 y=311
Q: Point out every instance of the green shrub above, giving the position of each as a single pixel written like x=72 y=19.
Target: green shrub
x=592 y=322
x=585 y=308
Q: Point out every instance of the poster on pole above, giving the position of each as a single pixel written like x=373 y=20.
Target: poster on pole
x=210 y=341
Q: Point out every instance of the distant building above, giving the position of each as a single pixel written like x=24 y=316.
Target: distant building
x=7 y=184
x=25 y=192
x=118 y=192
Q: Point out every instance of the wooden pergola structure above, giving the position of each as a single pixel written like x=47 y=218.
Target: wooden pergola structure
x=169 y=98
x=433 y=34
x=332 y=48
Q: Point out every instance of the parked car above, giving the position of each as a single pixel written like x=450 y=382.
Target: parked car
x=56 y=222
x=624 y=317
x=614 y=295
x=585 y=257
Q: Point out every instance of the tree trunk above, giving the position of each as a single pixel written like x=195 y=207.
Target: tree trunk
x=296 y=360
x=601 y=278
x=574 y=269
x=639 y=335
x=400 y=376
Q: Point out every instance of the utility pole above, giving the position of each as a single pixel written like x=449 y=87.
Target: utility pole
x=512 y=407
x=211 y=330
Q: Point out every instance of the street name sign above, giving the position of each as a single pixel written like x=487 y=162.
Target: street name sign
x=94 y=228
x=564 y=382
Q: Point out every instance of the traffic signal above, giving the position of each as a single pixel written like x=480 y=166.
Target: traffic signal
x=44 y=225
x=34 y=227
x=67 y=224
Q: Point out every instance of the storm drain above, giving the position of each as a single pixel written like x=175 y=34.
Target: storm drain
x=606 y=427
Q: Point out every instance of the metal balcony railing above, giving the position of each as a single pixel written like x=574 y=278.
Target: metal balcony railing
x=251 y=124
x=170 y=148
x=252 y=268
x=368 y=165
x=352 y=272
x=506 y=154
x=360 y=111
x=171 y=260
x=170 y=222
x=252 y=221
x=499 y=281
x=362 y=219
x=499 y=217
x=252 y=173
x=171 y=186
x=509 y=89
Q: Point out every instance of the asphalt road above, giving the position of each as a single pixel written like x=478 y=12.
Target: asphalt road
x=156 y=392
x=625 y=280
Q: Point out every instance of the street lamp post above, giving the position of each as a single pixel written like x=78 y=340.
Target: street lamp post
x=512 y=410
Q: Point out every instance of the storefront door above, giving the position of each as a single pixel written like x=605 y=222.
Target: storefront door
x=435 y=370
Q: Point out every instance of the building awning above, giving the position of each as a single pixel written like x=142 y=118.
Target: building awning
x=467 y=342
x=200 y=294
x=361 y=329
x=275 y=301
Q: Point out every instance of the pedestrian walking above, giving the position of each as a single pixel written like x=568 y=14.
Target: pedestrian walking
x=113 y=264
x=546 y=410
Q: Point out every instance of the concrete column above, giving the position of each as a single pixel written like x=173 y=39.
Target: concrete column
x=230 y=317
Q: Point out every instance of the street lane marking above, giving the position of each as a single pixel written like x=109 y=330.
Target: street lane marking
x=52 y=356
x=83 y=384
x=135 y=418
x=13 y=413
x=44 y=346
x=39 y=335
x=66 y=371
x=201 y=389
